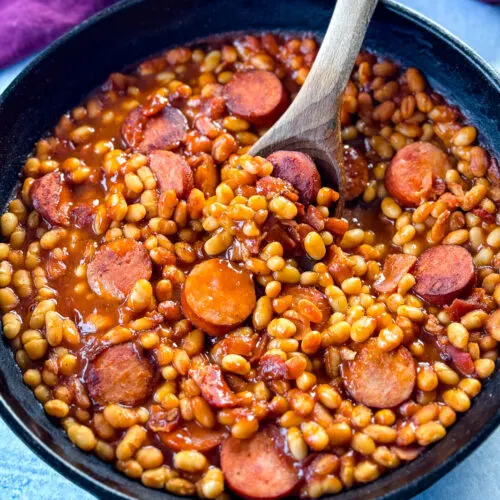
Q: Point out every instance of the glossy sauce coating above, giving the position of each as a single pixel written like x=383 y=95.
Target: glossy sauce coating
x=199 y=318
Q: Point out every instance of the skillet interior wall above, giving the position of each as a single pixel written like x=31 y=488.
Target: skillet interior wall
x=77 y=65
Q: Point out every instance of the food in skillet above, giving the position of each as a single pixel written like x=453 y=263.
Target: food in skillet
x=198 y=317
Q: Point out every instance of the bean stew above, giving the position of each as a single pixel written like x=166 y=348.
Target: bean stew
x=198 y=317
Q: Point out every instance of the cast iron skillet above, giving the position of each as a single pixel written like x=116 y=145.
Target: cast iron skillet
x=65 y=73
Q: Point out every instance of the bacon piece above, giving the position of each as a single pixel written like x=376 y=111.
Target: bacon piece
x=193 y=437
x=395 y=267
x=213 y=387
x=162 y=420
x=460 y=307
x=272 y=367
x=462 y=360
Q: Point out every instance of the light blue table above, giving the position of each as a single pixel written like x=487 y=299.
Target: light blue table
x=24 y=476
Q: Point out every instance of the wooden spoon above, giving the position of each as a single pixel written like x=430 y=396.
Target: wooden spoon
x=312 y=122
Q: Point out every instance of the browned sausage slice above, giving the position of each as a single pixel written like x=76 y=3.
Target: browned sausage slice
x=257 y=96
x=171 y=172
x=443 y=273
x=120 y=374
x=166 y=130
x=51 y=198
x=395 y=267
x=117 y=266
x=258 y=467
x=193 y=437
x=214 y=330
x=416 y=174
x=299 y=170
x=220 y=293
x=356 y=173
x=299 y=292
x=379 y=379
x=133 y=127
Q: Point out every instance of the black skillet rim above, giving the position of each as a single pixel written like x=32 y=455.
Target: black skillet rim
x=101 y=490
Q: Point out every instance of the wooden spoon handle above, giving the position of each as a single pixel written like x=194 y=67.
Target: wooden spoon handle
x=323 y=89
x=312 y=117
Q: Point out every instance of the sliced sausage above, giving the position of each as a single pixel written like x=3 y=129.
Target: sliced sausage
x=51 y=197
x=257 y=96
x=220 y=293
x=133 y=127
x=116 y=267
x=416 y=174
x=171 y=172
x=258 y=467
x=395 y=267
x=120 y=374
x=299 y=292
x=214 y=330
x=379 y=379
x=193 y=437
x=299 y=170
x=164 y=130
x=213 y=386
x=443 y=273
x=356 y=173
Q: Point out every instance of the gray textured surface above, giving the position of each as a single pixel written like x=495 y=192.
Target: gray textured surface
x=24 y=476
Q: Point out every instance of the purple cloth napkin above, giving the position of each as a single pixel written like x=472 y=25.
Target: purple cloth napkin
x=29 y=25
